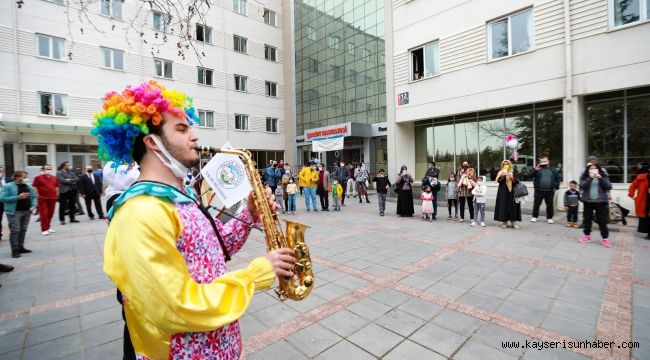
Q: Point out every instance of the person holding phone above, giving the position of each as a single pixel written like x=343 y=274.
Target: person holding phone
x=405 y=195
x=595 y=186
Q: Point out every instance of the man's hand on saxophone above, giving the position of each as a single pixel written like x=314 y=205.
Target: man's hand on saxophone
x=283 y=259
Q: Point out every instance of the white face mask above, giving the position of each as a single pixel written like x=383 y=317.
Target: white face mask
x=47 y=172
x=174 y=165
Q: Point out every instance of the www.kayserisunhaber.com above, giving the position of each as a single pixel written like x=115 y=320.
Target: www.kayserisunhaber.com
x=586 y=344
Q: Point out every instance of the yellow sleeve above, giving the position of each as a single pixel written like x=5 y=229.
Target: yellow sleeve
x=141 y=258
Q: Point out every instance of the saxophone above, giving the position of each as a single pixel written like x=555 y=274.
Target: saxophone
x=275 y=238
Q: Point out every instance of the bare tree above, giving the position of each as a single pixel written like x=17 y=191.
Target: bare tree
x=176 y=21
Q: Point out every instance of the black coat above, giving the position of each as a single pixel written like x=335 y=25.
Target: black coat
x=506 y=209
x=86 y=186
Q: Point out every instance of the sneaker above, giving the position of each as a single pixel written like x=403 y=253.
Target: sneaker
x=575 y=225
x=461 y=220
x=315 y=210
x=472 y=223
x=606 y=243
x=456 y=218
x=550 y=221
x=45 y=233
x=569 y=225
x=293 y=212
x=514 y=225
x=482 y=224
x=308 y=210
x=504 y=225
x=381 y=214
x=585 y=239
x=533 y=220
x=52 y=231
x=367 y=201
x=449 y=217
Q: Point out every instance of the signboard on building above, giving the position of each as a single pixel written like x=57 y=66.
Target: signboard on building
x=379 y=129
x=328 y=138
x=403 y=98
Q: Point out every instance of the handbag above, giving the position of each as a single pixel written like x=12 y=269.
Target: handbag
x=520 y=190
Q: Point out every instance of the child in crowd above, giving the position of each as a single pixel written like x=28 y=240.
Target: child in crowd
x=279 y=194
x=337 y=194
x=427 y=204
x=571 y=204
x=479 y=191
x=452 y=198
x=292 y=188
x=383 y=185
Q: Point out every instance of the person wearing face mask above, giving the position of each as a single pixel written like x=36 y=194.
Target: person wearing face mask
x=546 y=181
x=352 y=183
x=466 y=180
x=361 y=176
x=47 y=188
x=405 y=195
x=20 y=201
x=292 y=189
x=118 y=179
x=308 y=180
x=506 y=209
x=342 y=174
x=323 y=188
x=68 y=181
x=91 y=189
x=163 y=250
x=595 y=186
x=273 y=176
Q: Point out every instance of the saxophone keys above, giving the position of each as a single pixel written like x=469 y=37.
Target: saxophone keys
x=308 y=281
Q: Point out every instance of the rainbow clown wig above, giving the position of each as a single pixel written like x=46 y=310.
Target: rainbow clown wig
x=127 y=115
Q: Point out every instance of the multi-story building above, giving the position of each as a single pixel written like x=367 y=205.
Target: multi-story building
x=340 y=84
x=54 y=76
x=568 y=78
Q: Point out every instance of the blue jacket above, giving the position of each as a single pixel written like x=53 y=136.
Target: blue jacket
x=9 y=196
x=342 y=174
x=273 y=175
x=555 y=182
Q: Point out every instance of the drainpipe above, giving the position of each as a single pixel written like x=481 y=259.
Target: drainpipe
x=571 y=157
x=14 y=24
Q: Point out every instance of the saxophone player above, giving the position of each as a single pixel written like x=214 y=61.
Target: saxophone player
x=163 y=251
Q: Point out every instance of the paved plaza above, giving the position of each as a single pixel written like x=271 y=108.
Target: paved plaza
x=387 y=288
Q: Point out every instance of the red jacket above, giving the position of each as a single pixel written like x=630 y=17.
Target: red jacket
x=639 y=187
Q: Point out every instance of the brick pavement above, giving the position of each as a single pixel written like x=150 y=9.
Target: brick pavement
x=386 y=288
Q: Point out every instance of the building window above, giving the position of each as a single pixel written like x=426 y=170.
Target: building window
x=511 y=35
x=160 y=21
x=366 y=55
x=352 y=106
x=239 y=43
x=425 y=61
x=351 y=48
x=206 y=118
x=203 y=33
x=241 y=83
x=337 y=72
x=311 y=33
x=54 y=104
x=312 y=97
x=113 y=59
x=112 y=8
x=270 y=53
x=50 y=47
x=271 y=89
x=241 y=122
x=382 y=87
x=367 y=80
x=312 y=65
x=335 y=100
x=271 y=124
x=239 y=6
x=163 y=68
x=270 y=17
x=205 y=76
x=626 y=12
x=613 y=117
x=334 y=42
x=352 y=76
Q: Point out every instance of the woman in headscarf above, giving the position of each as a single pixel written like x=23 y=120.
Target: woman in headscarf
x=506 y=208
x=466 y=178
x=639 y=193
x=405 y=195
